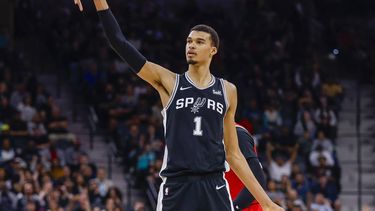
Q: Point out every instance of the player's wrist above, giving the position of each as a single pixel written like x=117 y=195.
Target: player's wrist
x=268 y=204
x=101 y=5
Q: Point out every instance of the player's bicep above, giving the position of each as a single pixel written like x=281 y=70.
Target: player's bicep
x=157 y=76
x=230 y=133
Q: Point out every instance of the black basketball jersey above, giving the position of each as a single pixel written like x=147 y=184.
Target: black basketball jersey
x=193 y=126
x=246 y=143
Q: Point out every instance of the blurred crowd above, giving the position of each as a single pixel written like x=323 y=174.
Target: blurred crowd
x=275 y=53
x=42 y=166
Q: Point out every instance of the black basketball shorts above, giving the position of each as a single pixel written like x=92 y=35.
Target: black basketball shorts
x=208 y=192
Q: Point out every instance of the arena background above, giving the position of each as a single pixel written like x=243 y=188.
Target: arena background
x=75 y=122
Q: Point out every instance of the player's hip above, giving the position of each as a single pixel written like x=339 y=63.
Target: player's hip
x=195 y=192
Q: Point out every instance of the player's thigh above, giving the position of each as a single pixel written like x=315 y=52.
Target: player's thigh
x=215 y=195
x=177 y=196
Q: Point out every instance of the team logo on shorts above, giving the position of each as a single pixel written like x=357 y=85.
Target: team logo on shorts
x=166 y=191
x=199 y=103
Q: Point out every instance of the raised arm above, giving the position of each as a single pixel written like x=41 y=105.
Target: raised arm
x=294 y=154
x=235 y=158
x=269 y=150
x=160 y=78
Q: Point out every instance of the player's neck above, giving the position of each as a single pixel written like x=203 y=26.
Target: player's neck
x=200 y=75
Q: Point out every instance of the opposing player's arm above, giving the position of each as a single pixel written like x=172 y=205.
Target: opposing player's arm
x=246 y=143
x=235 y=158
x=159 y=77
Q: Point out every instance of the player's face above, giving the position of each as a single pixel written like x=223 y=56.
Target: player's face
x=199 y=47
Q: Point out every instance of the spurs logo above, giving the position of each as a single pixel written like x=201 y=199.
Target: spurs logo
x=198 y=104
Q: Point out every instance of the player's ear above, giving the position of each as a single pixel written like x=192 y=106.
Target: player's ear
x=213 y=50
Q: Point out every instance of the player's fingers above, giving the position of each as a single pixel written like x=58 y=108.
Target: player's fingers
x=80 y=5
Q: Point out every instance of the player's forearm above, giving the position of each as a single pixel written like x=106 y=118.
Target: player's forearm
x=118 y=41
x=101 y=5
x=239 y=165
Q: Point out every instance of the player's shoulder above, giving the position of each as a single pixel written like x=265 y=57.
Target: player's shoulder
x=230 y=87
x=241 y=129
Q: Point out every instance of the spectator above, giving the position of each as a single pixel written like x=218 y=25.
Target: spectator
x=28 y=199
x=73 y=154
x=4 y=91
x=104 y=184
x=18 y=131
x=322 y=141
x=305 y=142
x=7 y=152
x=58 y=127
x=320 y=155
x=320 y=204
x=37 y=130
x=325 y=112
x=41 y=96
x=26 y=109
x=7 y=198
x=280 y=165
x=326 y=187
x=293 y=199
x=94 y=194
x=285 y=141
x=272 y=118
x=305 y=124
x=7 y=112
x=275 y=194
x=139 y=206
x=114 y=195
x=301 y=185
x=18 y=95
x=333 y=91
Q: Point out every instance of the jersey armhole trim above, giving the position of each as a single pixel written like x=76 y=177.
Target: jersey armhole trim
x=225 y=94
x=173 y=92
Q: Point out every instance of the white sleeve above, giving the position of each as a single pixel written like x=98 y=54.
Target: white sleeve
x=314 y=158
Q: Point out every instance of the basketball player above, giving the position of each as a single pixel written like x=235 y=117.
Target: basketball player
x=243 y=200
x=198 y=115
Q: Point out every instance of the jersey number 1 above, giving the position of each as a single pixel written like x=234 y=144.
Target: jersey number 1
x=198 y=126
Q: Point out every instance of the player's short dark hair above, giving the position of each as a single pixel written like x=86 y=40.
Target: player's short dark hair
x=208 y=29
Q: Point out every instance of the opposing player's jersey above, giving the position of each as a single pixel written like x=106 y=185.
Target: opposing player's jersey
x=246 y=142
x=193 y=126
x=248 y=148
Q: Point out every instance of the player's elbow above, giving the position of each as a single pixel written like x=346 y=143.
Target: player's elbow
x=116 y=41
x=233 y=157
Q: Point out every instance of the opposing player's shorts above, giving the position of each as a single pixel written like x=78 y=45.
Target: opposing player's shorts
x=208 y=192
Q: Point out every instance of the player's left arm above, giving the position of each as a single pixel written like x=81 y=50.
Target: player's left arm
x=235 y=158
